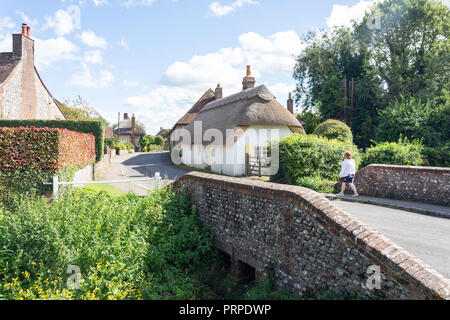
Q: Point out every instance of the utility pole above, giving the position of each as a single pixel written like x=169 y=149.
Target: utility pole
x=118 y=128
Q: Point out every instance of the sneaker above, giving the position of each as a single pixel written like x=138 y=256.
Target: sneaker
x=356 y=196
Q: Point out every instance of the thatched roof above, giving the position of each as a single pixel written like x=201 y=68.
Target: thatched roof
x=251 y=107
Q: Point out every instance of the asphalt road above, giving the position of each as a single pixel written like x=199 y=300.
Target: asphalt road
x=427 y=238
x=138 y=166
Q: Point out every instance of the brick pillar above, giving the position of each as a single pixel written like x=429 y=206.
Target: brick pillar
x=290 y=103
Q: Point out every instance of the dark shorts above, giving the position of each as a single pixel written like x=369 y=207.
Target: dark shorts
x=348 y=179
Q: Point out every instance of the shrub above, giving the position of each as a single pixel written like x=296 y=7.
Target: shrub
x=146 y=141
x=109 y=142
x=159 y=141
x=96 y=128
x=334 y=129
x=44 y=149
x=126 y=247
x=402 y=152
x=308 y=156
x=437 y=157
x=317 y=183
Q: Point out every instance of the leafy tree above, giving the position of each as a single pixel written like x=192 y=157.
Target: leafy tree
x=410 y=49
x=80 y=109
x=159 y=141
x=407 y=57
x=310 y=119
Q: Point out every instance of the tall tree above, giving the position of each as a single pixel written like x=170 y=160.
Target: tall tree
x=411 y=48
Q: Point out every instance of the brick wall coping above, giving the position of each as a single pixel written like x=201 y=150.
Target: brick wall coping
x=402 y=267
x=408 y=168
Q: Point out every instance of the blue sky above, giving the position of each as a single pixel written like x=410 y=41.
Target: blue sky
x=155 y=58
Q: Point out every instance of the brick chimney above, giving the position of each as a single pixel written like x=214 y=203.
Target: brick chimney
x=23 y=46
x=248 y=81
x=290 y=103
x=219 y=92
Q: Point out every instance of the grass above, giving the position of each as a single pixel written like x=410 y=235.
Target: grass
x=105 y=188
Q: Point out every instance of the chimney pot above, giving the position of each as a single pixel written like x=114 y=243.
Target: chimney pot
x=28 y=31
x=249 y=71
x=24 y=29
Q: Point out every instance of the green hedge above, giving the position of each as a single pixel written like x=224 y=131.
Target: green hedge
x=95 y=128
x=402 y=152
x=44 y=149
x=334 y=129
x=311 y=156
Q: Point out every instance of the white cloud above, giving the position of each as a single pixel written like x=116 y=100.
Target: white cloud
x=95 y=57
x=218 y=10
x=50 y=51
x=174 y=100
x=5 y=44
x=63 y=22
x=85 y=78
x=135 y=3
x=26 y=19
x=6 y=23
x=124 y=44
x=342 y=15
x=98 y=3
x=184 y=82
x=91 y=39
x=130 y=84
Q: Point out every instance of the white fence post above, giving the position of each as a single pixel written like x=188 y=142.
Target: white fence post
x=55 y=186
x=158 y=179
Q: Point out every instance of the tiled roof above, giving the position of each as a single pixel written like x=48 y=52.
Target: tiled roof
x=7 y=65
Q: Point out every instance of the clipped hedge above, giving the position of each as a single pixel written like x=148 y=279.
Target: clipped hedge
x=96 y=128
x=334 y=129
x=400 y=153
x=44 y=149
x=318 y=158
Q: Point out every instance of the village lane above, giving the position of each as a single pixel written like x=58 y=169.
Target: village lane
x=141 y=165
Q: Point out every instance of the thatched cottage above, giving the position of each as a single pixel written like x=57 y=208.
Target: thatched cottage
x=226 y=129
x=128 y=131
x=23 y=94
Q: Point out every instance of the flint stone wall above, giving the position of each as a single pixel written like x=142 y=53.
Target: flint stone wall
x=426 y=184
x=309 y=244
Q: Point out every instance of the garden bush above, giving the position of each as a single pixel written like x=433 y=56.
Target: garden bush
x=402 y=152
x=159 y=141
x=126 y=247
x=96 y=128
x=334 y=129
x=311 y=161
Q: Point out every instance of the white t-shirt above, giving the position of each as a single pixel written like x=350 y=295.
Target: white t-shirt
x=348 y=167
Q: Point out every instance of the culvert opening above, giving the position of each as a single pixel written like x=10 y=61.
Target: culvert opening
x=224 y=260
x=247 y=273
